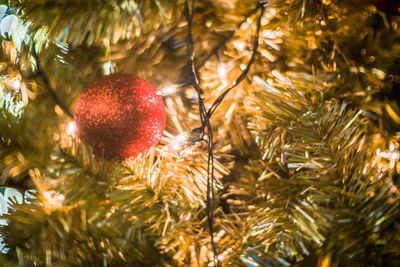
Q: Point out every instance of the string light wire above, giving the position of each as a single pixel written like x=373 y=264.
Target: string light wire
x=206 y=115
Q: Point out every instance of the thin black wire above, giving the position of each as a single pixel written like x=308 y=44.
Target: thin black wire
x=206 y=115
x=190 y=59
x=42 y=74
x=243 y=75
x=220 y=45
x=189 y=10
x=245 y=71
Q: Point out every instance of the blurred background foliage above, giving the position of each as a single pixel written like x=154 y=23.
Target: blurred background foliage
x=306 y=146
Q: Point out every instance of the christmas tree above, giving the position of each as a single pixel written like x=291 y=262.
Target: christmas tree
x=281 y=139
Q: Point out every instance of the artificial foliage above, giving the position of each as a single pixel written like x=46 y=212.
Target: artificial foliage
x=281 y=145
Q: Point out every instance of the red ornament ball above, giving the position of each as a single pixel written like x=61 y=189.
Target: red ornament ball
x=391 y=7
x=120 y=115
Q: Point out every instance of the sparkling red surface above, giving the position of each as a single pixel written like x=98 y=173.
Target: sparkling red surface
x=120 y=115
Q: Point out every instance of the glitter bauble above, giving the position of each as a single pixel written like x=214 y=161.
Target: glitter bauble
x=120 y=115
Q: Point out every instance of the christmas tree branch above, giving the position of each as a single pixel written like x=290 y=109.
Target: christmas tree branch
x=224 y=41
x=90 y=22
x=206 y=115
x=244 y=73
x=222 y=44
x=42 y=74
x=246 y=70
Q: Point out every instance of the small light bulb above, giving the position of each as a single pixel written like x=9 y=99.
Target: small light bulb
x=179 y=141
x=53 y=199
x=395 y=156
x=71 y=128
x=16 y=84
x=390 y=155
x=222 y=73
x=391 y=147
x=170 y=89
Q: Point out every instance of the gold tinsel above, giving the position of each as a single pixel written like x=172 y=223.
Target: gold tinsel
x=306 y=146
